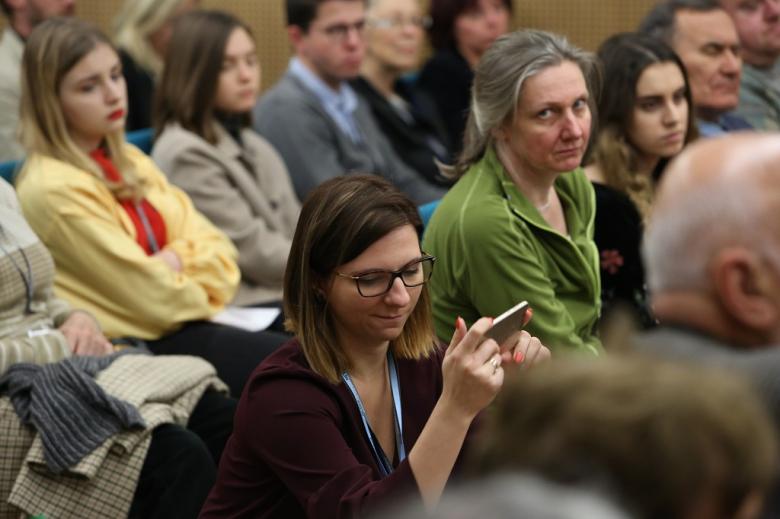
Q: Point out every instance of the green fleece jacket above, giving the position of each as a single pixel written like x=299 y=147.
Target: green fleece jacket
x=494 y=250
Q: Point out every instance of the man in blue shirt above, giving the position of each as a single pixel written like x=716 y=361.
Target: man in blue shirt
x=705 y=38
x=313 y=117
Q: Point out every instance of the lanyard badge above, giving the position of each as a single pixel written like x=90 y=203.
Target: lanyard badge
x=385 y=465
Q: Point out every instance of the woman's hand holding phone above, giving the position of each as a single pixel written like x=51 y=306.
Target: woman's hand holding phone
x=473 y=366
x=471 y=370
x=523 y=349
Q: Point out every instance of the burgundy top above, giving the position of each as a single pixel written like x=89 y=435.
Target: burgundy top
x=299 y=448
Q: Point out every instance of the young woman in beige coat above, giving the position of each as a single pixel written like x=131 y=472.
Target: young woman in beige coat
x=206 y=146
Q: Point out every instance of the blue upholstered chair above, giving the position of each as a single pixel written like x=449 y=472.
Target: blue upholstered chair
x=426 y=211
x=9 y=170
x=143 y=139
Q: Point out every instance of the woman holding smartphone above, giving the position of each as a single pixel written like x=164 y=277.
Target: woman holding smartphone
x=362 y=406
x=518 y=225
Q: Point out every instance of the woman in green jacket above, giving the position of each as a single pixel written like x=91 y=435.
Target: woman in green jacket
x=518 y=225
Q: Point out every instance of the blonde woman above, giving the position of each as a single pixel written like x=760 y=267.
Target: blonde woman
x=129 y=247
x=409 y=118
x=142 y=31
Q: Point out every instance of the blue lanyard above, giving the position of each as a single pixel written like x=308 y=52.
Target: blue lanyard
x=379 y=455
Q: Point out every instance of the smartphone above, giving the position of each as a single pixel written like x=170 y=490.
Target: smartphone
x=508 y=323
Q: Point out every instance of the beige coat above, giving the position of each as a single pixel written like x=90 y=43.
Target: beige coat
x=246 y=192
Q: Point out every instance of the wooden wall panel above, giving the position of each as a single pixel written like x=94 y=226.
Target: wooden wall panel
x=585 y=22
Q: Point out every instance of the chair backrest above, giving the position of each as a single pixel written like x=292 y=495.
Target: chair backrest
x=143 y=139
x=9 y=170
x=426 y=211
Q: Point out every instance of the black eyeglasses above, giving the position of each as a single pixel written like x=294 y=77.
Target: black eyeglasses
x=339 y=32
x=379 y=282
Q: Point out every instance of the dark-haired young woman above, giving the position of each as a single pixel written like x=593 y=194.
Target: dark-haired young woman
x=206 y=146
x=460 y=33
x=644 y=120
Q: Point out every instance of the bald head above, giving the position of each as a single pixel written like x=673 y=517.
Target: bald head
x=736 y=161
x=717 y=193
x=712 y=248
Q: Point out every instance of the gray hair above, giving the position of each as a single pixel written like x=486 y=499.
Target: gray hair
x=508 y=496
x=683 y=236
x=660 y=21
x=499 y=78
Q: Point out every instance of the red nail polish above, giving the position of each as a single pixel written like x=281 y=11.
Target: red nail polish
x=519 y=357
x=460 y=324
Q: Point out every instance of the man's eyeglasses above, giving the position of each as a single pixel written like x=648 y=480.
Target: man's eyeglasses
x=340 y=32
x=422 y=22
x=379 y=282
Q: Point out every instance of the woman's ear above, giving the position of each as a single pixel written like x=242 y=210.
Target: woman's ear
x=321 y=288
x=746 y=288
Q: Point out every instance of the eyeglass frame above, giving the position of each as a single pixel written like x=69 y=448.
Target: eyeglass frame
x=421 y=22
x=340 y=32
x=394 y=274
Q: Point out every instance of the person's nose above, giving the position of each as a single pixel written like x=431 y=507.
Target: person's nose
x=493 y=16
x=354 y=36
x=772 y=10
x=409 y=29
x=244 y=71
x=572 y=126
x=730 y=63
x=398 y=295
x=113 y=91
x=672 y=113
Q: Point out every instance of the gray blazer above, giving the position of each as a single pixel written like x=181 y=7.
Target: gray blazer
x=246 y=192
x=315 y=149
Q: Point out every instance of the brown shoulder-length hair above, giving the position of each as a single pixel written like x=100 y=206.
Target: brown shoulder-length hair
x=52 y=50
x=339 y=220
x=193 y=61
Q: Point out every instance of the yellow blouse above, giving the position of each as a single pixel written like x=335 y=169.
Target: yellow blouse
x=100 y=266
